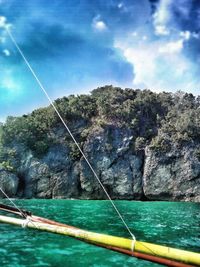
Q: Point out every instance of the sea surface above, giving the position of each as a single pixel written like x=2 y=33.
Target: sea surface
x=169 y=223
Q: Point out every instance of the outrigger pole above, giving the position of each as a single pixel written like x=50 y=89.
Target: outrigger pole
x=147 y=251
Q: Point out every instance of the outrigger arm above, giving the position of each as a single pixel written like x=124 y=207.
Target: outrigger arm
x=156 y=253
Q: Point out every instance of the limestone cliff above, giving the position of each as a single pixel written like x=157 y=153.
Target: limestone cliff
x=132 y=161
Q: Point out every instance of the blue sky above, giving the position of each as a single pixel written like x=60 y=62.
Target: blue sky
x=77 y=45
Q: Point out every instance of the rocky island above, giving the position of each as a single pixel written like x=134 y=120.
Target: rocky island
x=143 y=146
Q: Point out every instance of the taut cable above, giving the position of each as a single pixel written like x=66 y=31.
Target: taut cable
x=65 y=125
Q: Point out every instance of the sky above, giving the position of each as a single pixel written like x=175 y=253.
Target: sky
x=75 y=46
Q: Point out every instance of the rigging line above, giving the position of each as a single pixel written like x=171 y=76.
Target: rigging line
x=13 y=203
x=70 y=133
x=18 y=208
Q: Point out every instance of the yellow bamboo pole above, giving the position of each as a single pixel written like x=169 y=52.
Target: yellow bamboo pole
x=124 y=243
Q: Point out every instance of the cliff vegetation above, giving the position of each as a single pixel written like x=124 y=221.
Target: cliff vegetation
x=144 y=145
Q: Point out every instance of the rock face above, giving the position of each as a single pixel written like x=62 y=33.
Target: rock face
x=53 y=176
x=125 y=174
x=119 y=169
x=172 y=176
x=9 y=183
x=57 y=175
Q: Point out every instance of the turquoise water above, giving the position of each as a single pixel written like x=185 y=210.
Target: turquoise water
x=173 y=224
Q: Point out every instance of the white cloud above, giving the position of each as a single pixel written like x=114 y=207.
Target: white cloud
x=120 y=5
x=171 y=47
x=185 y=34
x=6 y=52
x=161 y=30
x=2 y=39
x=195 y=35
x=143 y=60
x=8 y=81
x=159 y=66
x=99 y=24
x=176 y=46
x=2 y=21
x=162 y=17
x=3 y=25
x=134 y=34
x=123 y=8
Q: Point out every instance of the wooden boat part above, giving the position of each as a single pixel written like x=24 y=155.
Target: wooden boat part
x=108 y=240
x=147 y=257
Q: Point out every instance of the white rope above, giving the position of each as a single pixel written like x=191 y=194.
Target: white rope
x=13 y=203
x=133 y=244
x=18 y=208
x=65 y=125
x=26 y=222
